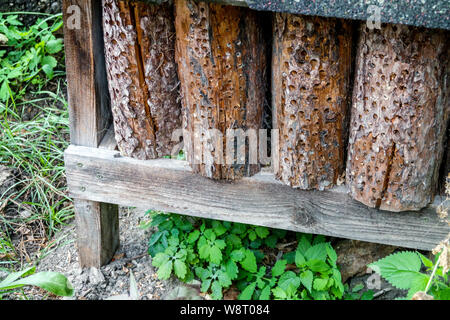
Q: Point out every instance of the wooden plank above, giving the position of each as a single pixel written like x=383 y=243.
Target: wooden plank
x=90 y=116
x=89 y=110
x=98 y=232
x=170 y=186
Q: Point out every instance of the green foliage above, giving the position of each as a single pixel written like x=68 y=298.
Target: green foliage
x=53 y=282
x=221 y=254
x=356 y=293
x=27 y=55
x=404 y=271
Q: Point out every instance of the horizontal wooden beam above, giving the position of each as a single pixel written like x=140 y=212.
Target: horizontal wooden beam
x=169 y=185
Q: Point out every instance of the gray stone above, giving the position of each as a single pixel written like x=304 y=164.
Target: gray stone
x=96 y=276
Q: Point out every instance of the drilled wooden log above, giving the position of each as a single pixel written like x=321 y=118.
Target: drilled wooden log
x=142 y=76
x=221 y=62
x=311 y=64
x=399 y=117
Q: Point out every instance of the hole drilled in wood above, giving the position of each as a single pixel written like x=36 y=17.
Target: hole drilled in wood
x=310 y=100
x=142 y=76
x=399 y=140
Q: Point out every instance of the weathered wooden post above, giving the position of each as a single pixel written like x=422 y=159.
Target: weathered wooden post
x=399 y=116
x=310 y=87
x=142 y=76
x=222 y=65
x=90 y=116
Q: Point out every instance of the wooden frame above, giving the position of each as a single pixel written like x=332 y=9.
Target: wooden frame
x=99 y=179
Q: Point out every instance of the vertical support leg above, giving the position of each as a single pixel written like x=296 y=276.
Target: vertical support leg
x=98 y=232
x=90 y=116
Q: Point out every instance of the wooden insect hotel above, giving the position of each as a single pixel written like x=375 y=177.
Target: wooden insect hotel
x=295 y=115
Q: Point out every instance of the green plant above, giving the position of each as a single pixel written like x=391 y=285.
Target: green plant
x=356 y=293
x=27 y=55
x=53 y=282
x=404 y=271
x=225 y=254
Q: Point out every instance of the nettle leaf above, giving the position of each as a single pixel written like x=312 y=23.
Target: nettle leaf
x=289 y=279
x=219 y=228
x=231 y=269
x=224 y=279
x=317 y=251
x=279 y=293
x=317 y=265
x=320 y=284
x=247 y=293
x=306 y=279
x=215 y=255
x=209 y=234
x=205 y=285
x=165 y=270
x=426 y=262
x=160 y=259
x=299 y=259
x=249 y=262
x=54 y=46
x=278 y=268
x=220 y=244
x=400 y=269
x=252 y=235
x=237 y=255
x=204 y=251
x=303 y=245
x=234 y=240
x=331 y=252
x=262 y=232
x=202 y=273
x=216 y=290
x=193 y=236
x=239 y=228
x=180 y=269
x=265 y=293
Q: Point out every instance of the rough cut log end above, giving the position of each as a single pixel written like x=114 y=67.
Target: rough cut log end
x=399 y=116
x=221 y=62
x=310 y=87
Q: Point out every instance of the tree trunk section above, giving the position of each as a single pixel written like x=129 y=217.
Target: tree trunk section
x=399 y=116
x=222 y=69
x=142 y=76
x=311 y=64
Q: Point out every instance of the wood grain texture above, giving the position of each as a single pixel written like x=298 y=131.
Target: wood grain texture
x=90 y=116
x=140 y=56
x=311 y=67
x=221 y=60
x=171 y=186
x=399 y=117
x=156 y=37
x=133 y=123
x=97 y=232
x=89 y=109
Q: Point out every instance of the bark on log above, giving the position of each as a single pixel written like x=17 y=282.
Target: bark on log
x=142 y=76
x=311 y=64
x=222 y=69
x=399 y=116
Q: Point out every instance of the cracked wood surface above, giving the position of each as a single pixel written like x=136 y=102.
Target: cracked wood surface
x=312 y=61
x=222 y=64
x=399 y=117
x=171 y=186
x=140 y=59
